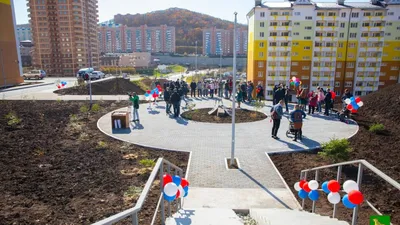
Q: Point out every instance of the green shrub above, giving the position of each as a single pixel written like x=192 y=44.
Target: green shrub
x=336 y=149
x=95 y=107
x=84 y=109
x=141 y=85
x=147 y=162
x=101 y=145
x=376 y=128
x=13 y=119
x=133 y=192
x=259 y=105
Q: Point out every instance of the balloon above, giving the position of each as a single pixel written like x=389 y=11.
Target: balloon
x=181 y=191
x=290 y=80
x=313 y=195
x=306 y=187
x=152 y=92
x=154 y=95
x=313 y=184
x=168 y=198
x=63 y=85
x=302 y=182
x=297 y=186
x=325 y=187
x=350 y=185
x=156 y=91
x=333 y=186
x=360 y=104
x=147 y=98
x=59 y=86
x=333 y=94
x=184 y=182
x=167 y=179
x=334 y=197
x=177 y=180
x=349 y=107
x=146 y=94
x=148 y=91
x=158 y=86
x=355 y=197
x=186 y=189
x=300 y=82
x=296 y=84
x=293 y=78
x=353 y=110
x=347 y=101
x=355 y=106
x=178 y=194
x=358 y=99
x=170 y=189
x=302 y=194
x=352 y=99
x=186 y=193
x=347 y=203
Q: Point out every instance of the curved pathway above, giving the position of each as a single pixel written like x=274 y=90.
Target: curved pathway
x=210 y=143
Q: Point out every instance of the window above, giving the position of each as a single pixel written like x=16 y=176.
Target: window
x=352 y=45
x=349 y=75
x=353 y=35
x=388 y=24
x=342 y=25
x=390 y=13
x=261 y=24
x=296 y=23
x=343 y=14
x=388 y=34
x=367 y=14
x=261 y=44
x=306 y=68
x=341 y=45
x=273 y=24
x=295 y=43
x=337 y=84
x=307 y=38
x=350 y=65
x=320 y=13
x=274 y=13
x=331 y=14
x=295 y=54
x=293 y=73
x=354 y=14
x=348 y=84
x=353 y=25
x=260 y=74
x=394 y=68
x=341 y=35
x=378 y=14
x=339 y=65
x=297 y=13
x=261 y=34
x=308 y=28
x=308 y=17
x=338 y=74
x=273 y=34
x=365 y=24
x=262 y=14
x=260 y=64
x=261 y=54
x=296 y=33
x=295 y=63
x=307 y=47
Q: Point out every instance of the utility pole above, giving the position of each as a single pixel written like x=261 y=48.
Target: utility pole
x=220 y=65
x=195 y=72
x=233 y=92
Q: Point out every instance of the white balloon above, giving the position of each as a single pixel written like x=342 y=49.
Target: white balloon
x=350 y=185
x=360 y=104
x=334 y=197
x=297 y=186
x=313 y=184
x=182 y=192
x=170 y=189
x=347 y=101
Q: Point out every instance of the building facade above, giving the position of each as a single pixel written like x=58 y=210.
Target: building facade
x=340 y=45
x=25 y=49
x=65 y=35
x=219 y=41
x=115 y=38
x=10 y=59
x=24 y=32
x=136 y=60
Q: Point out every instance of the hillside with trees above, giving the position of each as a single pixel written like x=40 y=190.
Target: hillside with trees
x=188 y=25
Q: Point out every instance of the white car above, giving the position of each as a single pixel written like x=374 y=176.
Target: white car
x=98 y=75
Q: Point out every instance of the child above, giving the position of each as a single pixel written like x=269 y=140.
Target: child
x=313 y=100
x=135 y=106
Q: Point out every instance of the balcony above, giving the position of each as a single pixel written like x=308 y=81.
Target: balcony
x=368 y=88
x=324 y=59
x=370 y=59
x=279 y=28
x=372 y=39
x=279 y=49
x=371 y=49
x=367 y=78
x=274 y=18
x=326 y=18
x=373 y=18
x=325 y=49
x=322 y=78
x=382 y=28
x=324 y=69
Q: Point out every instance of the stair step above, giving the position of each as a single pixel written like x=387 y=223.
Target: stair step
x=204 y=216
x=291 y=217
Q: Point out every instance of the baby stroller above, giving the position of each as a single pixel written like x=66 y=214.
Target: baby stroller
x=291 y=131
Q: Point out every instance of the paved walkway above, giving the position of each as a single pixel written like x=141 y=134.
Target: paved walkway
x=211 y=143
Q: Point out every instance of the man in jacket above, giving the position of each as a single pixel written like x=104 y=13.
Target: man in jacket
x=135 y=106
x=199 y=89
x=175 y=100
x=296 y=117
x=250 y=88
x=287 y=97
x=167 y=99
x=328 y=102
x=193 y=86
x=220 y=88
x=276 y=116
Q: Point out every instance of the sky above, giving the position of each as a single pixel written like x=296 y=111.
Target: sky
x=223 y=9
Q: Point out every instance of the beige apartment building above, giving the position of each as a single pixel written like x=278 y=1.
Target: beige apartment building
x=65 y=35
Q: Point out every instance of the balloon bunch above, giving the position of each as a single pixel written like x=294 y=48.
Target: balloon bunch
x=353 y=197
x=309 y=189
x=353 y=104
x=61 y=84
x=153 y=94
x=295 y=81
x=175 y=187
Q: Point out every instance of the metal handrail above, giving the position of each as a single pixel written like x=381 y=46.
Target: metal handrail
x=158 y=168
x=361 y=163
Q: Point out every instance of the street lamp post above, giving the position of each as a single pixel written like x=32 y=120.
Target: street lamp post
x=220 y=65
x=195 y=72
x=233 y=92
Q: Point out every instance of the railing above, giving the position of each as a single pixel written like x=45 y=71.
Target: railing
x=133 y=212
x=361 y=165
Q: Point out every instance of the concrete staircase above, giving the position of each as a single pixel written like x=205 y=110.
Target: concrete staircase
x=220 y=216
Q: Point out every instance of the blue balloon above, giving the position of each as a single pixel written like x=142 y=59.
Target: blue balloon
x=169 y=198
x=355 y=106
x=302 y=194
x=147 y=94
x=186 y=193
x=313 y=195
x=347 y=203
x=177 y=180
x=325 y=187
x=186 y=189
x=157 y=91
x=152 y=92
x=352 y=99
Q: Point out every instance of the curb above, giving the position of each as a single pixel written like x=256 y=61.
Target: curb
x=26 y=87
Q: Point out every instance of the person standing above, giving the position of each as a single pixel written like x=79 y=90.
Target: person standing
x=260 y=92
x=167 y=99
x=274 y=100
x=193 y=89
x=312 y=102
x=328 y=101
x=135 y=106
x=230 y=87
x=276 y=116
x=296 y=117
x=321 y=98
x=287 y=97
x=243 y=88
x=239 y=97
x=212 y=86
x=227 y=90
x=250 y=88
x=175 y=100
x=220 y=88
x=199 y=88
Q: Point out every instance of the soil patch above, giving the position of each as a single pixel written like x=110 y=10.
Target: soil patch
x=117 y=86
x=381 y=150
x=241 y=116
x=55 y=165
x=147 y=82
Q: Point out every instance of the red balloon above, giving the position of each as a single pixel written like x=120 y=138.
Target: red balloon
x=154 y=95
x=166 y=179
x=353 y=110
x=333 y=186
x=184 y=182
x=302 y=182
x=63 y=85
x=148 y=91
x=178 y=194
x=349 y=107
x=59 y=86
x=158 y=86
x=333 y=94
x=306 y=188
x=358 y=99
x=356 y=197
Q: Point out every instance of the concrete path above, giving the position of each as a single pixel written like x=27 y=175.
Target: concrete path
x=210 y=144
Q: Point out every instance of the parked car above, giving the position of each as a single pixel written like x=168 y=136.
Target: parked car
x=86 y=74
x=98 y=75
x=35 y=74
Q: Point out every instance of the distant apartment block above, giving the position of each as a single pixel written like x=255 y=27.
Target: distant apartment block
x=115 y=38
x=64 y=35
x=24 y=32
x=136 y=59
x=219 y=41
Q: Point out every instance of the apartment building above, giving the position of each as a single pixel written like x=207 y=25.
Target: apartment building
x=65 y=35
x=115 y=38
x=220 y=41
x=337 y=45
x=24 y=32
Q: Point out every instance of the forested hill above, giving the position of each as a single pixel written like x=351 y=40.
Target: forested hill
x=188 y=25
